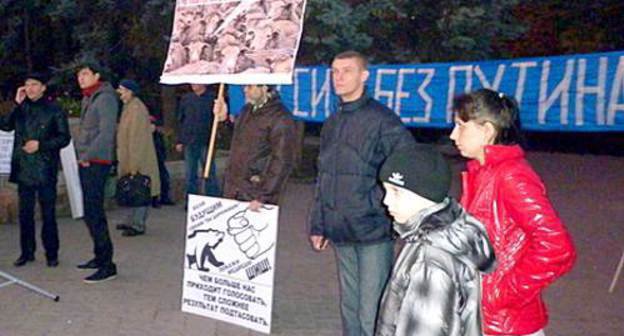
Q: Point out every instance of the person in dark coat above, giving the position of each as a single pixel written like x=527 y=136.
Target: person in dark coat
x=347 y=209
x=41 y=131
x=156 y=118
x=195 y=122
x=262 y=155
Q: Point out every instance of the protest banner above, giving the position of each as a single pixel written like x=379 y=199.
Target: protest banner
x=6 y=151
x=235 y=42
x=576 y=93
x=229 y=261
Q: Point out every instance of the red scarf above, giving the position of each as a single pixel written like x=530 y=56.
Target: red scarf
x=87 y=92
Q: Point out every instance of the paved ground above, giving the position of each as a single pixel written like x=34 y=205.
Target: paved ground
x=145 y=298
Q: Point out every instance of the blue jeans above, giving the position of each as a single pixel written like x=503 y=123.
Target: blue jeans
x=363 y=270
x=194 y=160
x=137 y=218
x=93 y=181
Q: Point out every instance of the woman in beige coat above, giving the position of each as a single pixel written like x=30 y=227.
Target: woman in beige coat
x=135 y=151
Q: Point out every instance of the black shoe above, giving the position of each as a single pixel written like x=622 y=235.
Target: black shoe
x=22 y=260
x=131 y=232
x=52 y=262
x=123 y=227
x=155 y=203
x=91 y=264
x=167 y=201
x=102 y=274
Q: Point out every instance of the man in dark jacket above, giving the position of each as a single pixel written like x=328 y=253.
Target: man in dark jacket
x=347 y=209
x=156 y=118
x=195 y=123
x=41 y=130
x=95 y=147
x=262 y=153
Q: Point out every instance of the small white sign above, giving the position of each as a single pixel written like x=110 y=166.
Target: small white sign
x=72 y=180
x=229 y=261
x=6 y=151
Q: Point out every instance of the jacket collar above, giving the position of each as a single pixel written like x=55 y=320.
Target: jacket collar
x=495 y=154
x=409 y=230
x=266 y=106
x=354 y=105
x=88 y=92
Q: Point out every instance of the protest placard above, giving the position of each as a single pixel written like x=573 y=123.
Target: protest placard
x=229 y=261
x=6 y=151
x=234 y=42
x=69 y=163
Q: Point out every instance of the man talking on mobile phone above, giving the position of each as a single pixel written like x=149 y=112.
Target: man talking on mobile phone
x=41 y=131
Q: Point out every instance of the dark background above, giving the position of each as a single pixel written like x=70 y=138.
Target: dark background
x=130 y=38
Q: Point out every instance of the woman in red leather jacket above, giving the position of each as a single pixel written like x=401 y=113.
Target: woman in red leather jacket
x=501 y=189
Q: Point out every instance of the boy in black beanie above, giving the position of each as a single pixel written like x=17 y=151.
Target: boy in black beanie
x=434 y=288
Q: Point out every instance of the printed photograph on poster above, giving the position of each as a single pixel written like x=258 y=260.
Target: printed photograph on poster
x=6 y=151
x=216 y=41
x=229 y=261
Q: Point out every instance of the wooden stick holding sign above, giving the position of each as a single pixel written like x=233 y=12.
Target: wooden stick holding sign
x=616 y=276
x=213 y=136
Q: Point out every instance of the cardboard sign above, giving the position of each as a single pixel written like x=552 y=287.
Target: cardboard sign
x=72 y=180
x=229 y=261
x=234 y=42
x=6 y=151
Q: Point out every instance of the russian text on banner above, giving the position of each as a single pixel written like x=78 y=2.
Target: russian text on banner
x=567 y=93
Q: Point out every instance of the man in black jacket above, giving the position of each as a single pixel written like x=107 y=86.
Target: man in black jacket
x=348 y=209
x=194 y=124
x=41 y=130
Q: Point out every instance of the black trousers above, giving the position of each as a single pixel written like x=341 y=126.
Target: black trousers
x=93 y=182
x=49 y=231
x=161 y=156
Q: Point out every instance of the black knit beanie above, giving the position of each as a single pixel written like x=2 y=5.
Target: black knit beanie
x=42 y=77
x=420 y=169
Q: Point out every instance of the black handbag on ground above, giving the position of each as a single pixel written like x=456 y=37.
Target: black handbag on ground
x=133 y=191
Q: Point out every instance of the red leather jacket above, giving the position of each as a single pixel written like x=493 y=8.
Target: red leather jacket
x=531 y=244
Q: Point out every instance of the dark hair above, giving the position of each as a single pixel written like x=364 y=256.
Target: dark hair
x=94 y=66
x=353 y=54
x=500 y=110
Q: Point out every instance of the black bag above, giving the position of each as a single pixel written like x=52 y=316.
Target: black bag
x=134 y=191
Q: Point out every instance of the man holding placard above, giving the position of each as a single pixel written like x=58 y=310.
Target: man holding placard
x=262 y=153
x=194 y=119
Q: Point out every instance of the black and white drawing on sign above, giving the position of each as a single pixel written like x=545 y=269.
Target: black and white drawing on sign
x=202 y=245
x=250 y=232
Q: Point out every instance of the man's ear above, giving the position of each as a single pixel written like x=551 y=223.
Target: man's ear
x=365 y=75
